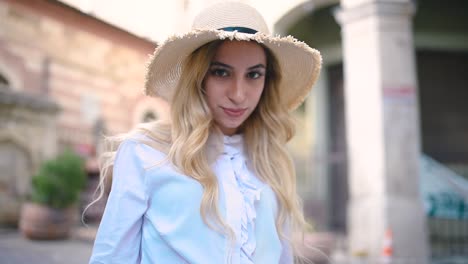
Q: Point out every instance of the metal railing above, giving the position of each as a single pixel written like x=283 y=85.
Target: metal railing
x=448 y=238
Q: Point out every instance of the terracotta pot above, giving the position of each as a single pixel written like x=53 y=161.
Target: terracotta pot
x=41 y=222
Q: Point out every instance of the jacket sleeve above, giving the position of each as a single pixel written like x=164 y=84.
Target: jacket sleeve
x=118 y=239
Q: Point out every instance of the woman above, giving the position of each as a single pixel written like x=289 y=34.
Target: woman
x=214 y=184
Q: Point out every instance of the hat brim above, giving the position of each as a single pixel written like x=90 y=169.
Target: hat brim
x=300 y=64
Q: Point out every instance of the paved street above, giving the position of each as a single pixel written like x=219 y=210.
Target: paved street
x=15 y=249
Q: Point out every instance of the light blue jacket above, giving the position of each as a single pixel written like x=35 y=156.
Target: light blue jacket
x=153 y=214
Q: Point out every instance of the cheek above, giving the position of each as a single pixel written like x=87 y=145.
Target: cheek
x=257 y=93
x=213 y=93
x=213 y=85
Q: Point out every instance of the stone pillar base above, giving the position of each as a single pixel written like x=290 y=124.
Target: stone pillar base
x=372 y=217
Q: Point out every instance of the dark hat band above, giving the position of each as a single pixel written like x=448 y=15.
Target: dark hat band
x=239 y=29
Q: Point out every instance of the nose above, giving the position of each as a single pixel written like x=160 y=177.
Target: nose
x=237 y=91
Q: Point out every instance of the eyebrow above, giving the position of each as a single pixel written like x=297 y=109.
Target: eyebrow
x=217 y=63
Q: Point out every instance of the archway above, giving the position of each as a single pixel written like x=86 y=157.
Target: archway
x=325 y=199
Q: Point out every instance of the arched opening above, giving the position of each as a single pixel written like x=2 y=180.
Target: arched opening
x=149 y=116
x=16 y=168
x=4 y=83
x=327 y=203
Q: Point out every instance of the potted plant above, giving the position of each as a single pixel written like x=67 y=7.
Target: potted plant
x=55 y=192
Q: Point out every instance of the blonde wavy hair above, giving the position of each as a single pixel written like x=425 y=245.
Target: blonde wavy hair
x=184 y=140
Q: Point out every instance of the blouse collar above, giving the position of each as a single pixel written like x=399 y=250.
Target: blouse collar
x=219 y=144
x=233 y=145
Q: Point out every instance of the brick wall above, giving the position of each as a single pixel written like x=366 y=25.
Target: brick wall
x=93 y=70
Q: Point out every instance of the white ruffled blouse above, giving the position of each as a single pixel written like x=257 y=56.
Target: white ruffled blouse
x=244 y=189
x=153 y=212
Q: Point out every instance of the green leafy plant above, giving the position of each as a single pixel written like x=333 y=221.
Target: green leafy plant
x=59 y=181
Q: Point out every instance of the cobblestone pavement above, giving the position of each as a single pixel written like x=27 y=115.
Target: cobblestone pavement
x=15 y=249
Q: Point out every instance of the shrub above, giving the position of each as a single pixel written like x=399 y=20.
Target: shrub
x=59 y=181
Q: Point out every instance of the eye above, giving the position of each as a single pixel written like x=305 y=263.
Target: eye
x=219 y=72
x=254 y=74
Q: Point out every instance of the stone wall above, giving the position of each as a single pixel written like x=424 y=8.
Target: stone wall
x=94 y=71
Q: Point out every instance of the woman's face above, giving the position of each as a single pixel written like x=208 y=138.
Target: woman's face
x=234 y=83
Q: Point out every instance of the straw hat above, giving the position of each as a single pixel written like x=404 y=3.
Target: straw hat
x=299 y=63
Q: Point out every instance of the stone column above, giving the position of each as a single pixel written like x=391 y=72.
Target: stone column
x=382 y=130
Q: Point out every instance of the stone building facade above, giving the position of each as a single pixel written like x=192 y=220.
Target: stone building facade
x=92 y=71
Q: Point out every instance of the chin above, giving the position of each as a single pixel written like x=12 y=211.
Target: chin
x=233 y=127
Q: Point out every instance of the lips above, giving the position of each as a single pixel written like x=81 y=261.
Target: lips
x=234 y=112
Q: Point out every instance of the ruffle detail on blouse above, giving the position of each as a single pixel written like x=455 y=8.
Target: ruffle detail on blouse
x=250 y=192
